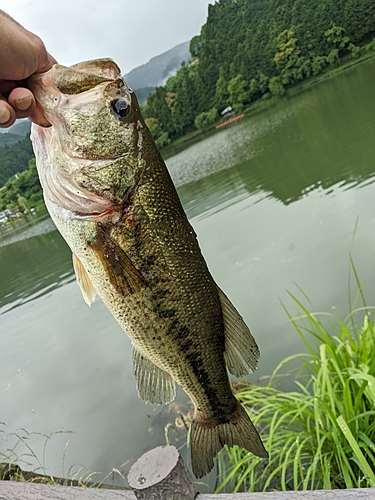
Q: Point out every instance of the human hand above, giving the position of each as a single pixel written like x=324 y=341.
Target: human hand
x=21 y=54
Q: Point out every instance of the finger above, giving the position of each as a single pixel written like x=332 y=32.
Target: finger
x=6 y=87
x=23 y=102
x=7 y=114
x=48 y=65
x=38 y=117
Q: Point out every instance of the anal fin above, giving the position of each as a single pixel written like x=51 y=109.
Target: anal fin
x=241 y=351
x=154 y=385
x=84 y=282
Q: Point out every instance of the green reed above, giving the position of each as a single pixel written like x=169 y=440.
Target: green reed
x=322 y=435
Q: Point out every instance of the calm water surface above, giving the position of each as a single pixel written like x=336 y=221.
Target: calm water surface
x=274 y=200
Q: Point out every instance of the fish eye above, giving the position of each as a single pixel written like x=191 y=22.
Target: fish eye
x=120 y=108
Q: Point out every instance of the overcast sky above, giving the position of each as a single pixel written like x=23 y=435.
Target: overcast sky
x=129 y=31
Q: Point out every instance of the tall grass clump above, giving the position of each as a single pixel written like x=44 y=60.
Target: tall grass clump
x=322 y=435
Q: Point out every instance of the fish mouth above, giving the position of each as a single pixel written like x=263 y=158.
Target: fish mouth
x=78 y=77
x=55 y=87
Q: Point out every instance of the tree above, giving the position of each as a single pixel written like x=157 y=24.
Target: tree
x=254 y=88
x=206 y=119
x=336 y=37
x=318 y=64
x=275 y=86
x=14 y=158
x=354 y=50
x=183 y=98
x=195 y=46
x=263 y=82
x=22 y=190
x=221 y=95
x=288 y=52
x=238 y=93
x=333 y=57
x=157 y=108
x=159 y=135
x=21 y=202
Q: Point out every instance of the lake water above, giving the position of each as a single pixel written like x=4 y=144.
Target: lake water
x=274 y=199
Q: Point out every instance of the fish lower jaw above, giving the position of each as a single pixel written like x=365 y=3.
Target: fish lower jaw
x=90 y=210
x=76 y=200
x=94 y=214
x=70 y=212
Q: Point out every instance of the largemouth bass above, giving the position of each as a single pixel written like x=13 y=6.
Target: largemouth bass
x=111 y=197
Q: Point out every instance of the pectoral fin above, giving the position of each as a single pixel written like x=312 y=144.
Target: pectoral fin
x=84 y=282
x=154 y=385
x=120 y=270
x=241 y=351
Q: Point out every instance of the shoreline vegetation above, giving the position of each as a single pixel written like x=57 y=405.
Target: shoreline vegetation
x=258 y=106
x=321 y=434
x=251 y=52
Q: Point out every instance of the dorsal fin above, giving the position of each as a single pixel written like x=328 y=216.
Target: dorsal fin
x=241 y=351
x=84 y=282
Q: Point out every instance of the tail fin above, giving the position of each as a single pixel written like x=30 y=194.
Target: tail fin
x=208 y=438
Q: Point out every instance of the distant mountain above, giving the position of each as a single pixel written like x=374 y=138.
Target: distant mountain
x=157 y=71
x=15 y=133
x=9 y=138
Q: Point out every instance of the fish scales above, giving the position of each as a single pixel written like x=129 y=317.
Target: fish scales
x=111 y=197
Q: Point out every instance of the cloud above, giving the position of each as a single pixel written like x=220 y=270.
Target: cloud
x=129 y=31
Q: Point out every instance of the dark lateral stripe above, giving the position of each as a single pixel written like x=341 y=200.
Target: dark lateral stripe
x=123 y=275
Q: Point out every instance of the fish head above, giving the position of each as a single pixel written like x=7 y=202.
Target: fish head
x=90 y=154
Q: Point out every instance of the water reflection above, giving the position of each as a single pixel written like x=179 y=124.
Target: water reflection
x=34 y=260
x=316 y=140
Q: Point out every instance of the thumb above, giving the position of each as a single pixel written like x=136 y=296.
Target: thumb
x=47 y=64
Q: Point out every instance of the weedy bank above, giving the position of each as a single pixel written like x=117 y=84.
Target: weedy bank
x=320 y=436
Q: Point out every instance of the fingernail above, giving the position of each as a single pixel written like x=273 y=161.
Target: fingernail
x=24 y=103
x=4 y=115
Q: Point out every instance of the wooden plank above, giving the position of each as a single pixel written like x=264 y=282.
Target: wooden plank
x=354 y=494
x=10 y=490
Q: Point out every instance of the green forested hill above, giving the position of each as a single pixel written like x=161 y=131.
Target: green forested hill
x=22 y=190
x=8 y=138
x=14 y=158
x=253 y=48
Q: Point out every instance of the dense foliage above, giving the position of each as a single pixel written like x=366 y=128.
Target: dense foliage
x=250 y=49
x=23 y=190
x=14 y=158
